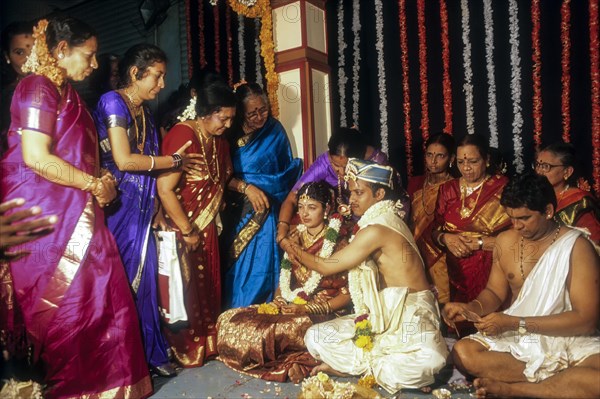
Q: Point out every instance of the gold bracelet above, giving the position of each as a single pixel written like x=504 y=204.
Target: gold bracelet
x=439 y=240
x=89 y=184
x=242 y=186
x=480 y=305
x=152 y=164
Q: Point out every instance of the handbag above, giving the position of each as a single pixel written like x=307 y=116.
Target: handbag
x=170 y=283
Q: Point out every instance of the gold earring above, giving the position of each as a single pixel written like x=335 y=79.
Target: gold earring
x=61 y=56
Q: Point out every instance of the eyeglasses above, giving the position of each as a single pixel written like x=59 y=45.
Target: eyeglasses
x=254 y=115
x=543 y=166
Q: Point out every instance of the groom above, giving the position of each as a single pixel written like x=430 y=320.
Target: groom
x=394 y=334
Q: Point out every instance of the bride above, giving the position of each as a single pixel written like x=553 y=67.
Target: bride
x=267 y=340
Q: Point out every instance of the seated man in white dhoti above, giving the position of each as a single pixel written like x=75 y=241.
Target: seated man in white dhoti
x=394 y=334
x=545 y=345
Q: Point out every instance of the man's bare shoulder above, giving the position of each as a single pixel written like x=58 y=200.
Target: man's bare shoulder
x=584 y=249
x=382 y=233
x=507 y=237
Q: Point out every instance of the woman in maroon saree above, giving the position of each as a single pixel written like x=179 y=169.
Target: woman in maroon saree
x=192 y=202
x=71 y=286
x=468 y=216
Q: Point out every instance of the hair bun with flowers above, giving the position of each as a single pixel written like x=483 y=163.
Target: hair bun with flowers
x=40 y=61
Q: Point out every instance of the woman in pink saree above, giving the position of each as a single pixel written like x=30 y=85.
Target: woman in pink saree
x=71 y=286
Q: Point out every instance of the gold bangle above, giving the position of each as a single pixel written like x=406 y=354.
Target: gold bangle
x=439 y=240
x=242 y=186
x=89 y=184
x=480 y=305
x=152 y=164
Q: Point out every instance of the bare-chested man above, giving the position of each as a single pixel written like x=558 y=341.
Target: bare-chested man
x=394 y=334
x=544 y=345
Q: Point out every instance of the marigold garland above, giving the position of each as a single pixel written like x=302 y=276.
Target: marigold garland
x=405 y=87
x=202 y=44
x=363 y=333
x=565 y=39
x=515 y=85
x=489 y=63
x=262 y=9
x=447 y=83
x=536 y=58
x=217 y=28
x=595 y=81
x=188 y=34
x=40 y=61
x=229 y=46
x=422 y=34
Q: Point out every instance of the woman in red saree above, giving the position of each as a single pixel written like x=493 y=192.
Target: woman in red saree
x=192 y=202
x=423 y=191
x=72 y=288
x=468 y=216
x=267 y=341
x=575 y=207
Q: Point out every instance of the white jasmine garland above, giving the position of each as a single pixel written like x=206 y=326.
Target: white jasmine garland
x=313 y=281
x=515 y=85
x=342 y=78
x=383 y=113
x=241 y=47
x=189 y=112
x=489 y=62
x=354 y=285
x=467 y=85
x=356 y=66
x=259 y=76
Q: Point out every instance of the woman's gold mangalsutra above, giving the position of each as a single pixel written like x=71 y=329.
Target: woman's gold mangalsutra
x=136 y=111
x=465 y=211
x=425 y=185
x=215 y=164
x=309 y=239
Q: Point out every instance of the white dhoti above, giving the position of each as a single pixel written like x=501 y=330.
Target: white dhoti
x=544 y=293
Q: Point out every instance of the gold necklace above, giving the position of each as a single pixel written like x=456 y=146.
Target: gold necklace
x=465 y=211
x=134 y=111
x=215 y=178
x=428 y=183
x=309 y=239
x=521 y=246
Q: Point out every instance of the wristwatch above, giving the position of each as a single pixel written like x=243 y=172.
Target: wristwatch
x=522 y=330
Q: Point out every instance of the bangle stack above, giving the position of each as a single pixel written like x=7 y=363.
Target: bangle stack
x=191 y=232
x=318 y=307
x=480 y=305
x=93 y=186
x=439 y=240
x=177 y=161
x=151 y=165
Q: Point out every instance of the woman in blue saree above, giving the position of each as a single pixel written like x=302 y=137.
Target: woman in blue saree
x=129 y=149
x=264 y=171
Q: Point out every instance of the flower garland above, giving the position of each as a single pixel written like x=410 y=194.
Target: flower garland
x=189 y=112
x=262 y=9
x=489 y=62
x=405 y=87
x=515 y=85
x=467 y=85
x=202 y=44
x=40 y=61
x=447 y=84
x=301 y=295
x=188 y=33
x=363 y=332
x=321 y=386
x=565 y=39
x=422 y=34
x=217 y=38
x=257 y=61
x=229 y=46
x=536 y=57
x=383 y=112
x=342 y=78
x=241 y=46
x=595 y=79
x=356 y=66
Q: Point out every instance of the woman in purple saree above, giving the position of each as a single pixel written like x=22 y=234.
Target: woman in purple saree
x=72 y=288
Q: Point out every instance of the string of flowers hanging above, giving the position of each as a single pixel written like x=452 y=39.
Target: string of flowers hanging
x=342 y=78
x=515 y=85
x=229 y=45
x=422 y=34
x=405 y=87
x=565 y=39
x=202 y=44
x=383 y=112
x=536 y=57
x=467 y=85
x=241 y=46
x=356 y=66
x=257 y=60
x=489 y=63
x=217 y=29
x=595 y=81
x=261 y=10
x=188 y=36
x=446 y=82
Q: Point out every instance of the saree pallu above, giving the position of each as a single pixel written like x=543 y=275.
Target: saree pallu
x=467 y=276
x=201 y=199
x=72 y=288
x=129 y=218
x=267 y=346
x=422 y=208
x=578 y=208
x=253 y=256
